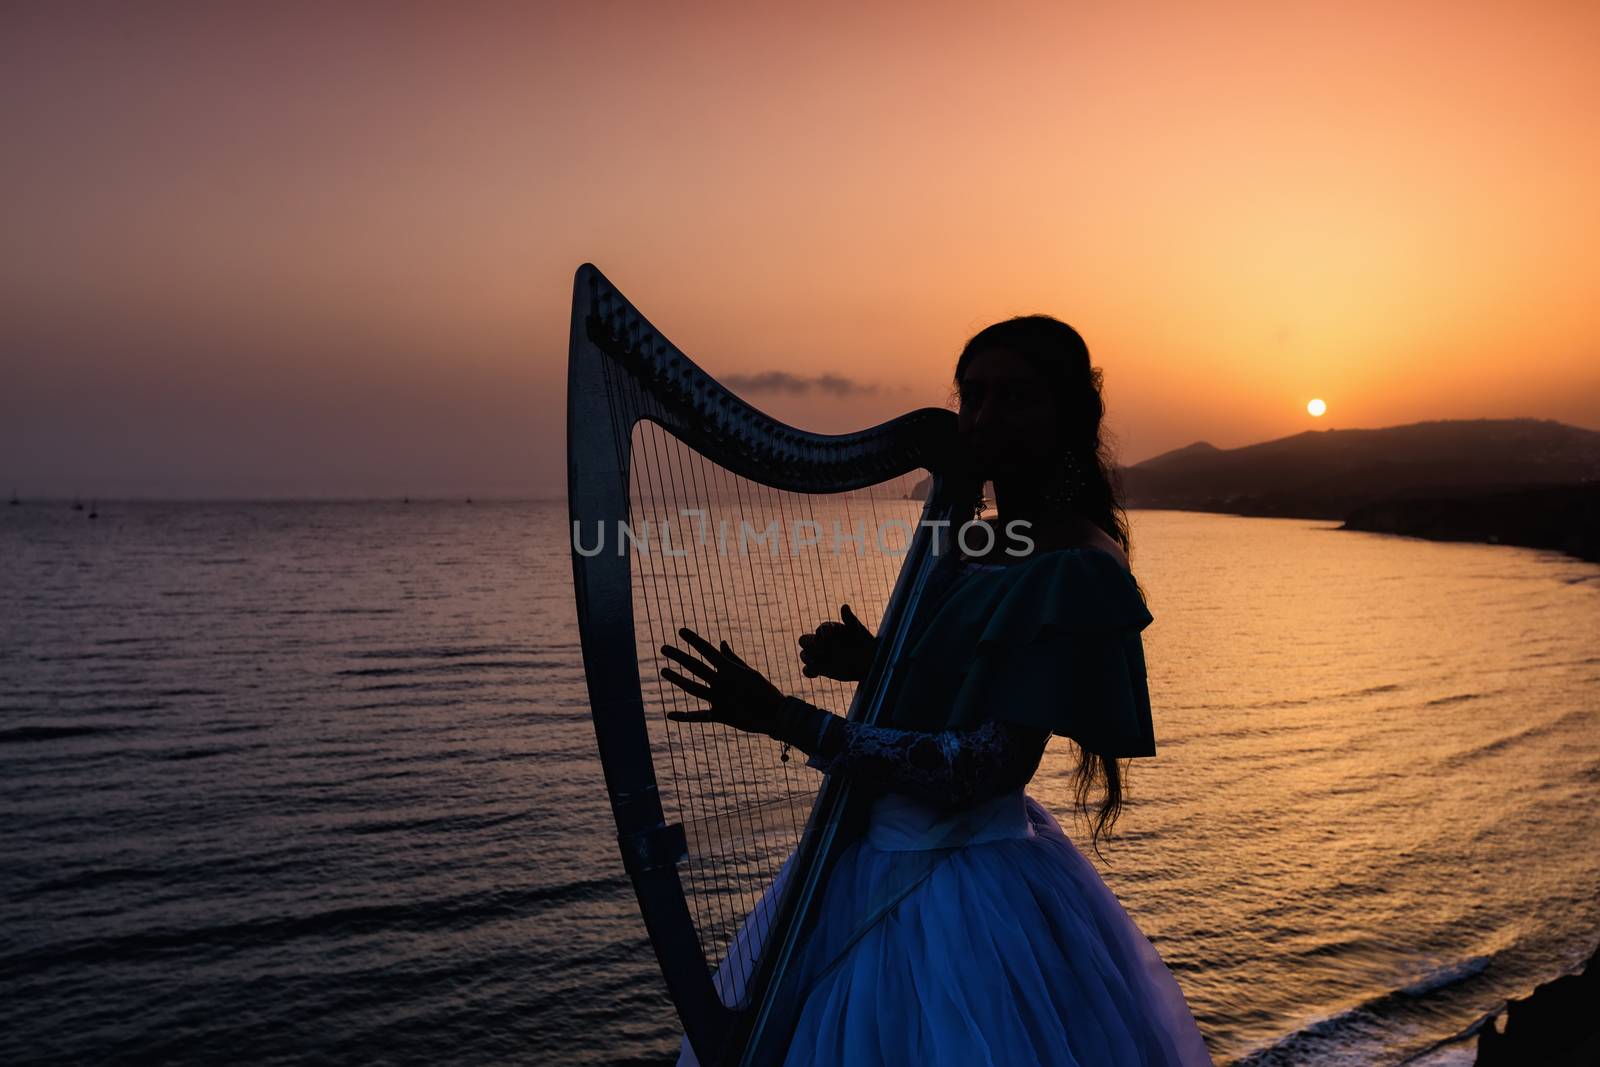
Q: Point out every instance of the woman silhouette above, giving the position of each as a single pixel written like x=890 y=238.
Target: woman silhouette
x=963 y=927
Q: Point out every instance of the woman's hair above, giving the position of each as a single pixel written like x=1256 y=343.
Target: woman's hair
x=1058 y=354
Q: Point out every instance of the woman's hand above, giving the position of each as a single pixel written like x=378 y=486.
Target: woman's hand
x=739 y=695
x=841 y=650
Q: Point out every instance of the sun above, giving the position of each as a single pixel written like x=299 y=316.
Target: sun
x=1316 y=407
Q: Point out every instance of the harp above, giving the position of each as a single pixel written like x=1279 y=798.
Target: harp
x=675 y=486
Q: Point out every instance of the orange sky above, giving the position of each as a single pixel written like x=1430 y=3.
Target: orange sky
x=318 y=251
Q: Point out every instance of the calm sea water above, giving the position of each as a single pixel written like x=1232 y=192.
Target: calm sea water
x=316 y=782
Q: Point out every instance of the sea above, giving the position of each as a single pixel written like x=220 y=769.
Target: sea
x=317 y=783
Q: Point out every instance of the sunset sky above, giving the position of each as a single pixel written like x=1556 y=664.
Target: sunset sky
x=328 y=249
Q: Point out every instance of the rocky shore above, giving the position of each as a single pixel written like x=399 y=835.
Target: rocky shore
x=1561 y=517
x=1558 y=1025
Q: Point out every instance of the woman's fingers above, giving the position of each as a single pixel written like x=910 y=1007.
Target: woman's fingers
x=819 y=646
x=691 y=716
x=727 y=650
x=701 y=645
x=678 y=655
x=825 y=631
x=690 y=687
x=825 y=636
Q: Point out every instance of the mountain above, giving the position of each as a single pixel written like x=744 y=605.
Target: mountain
x=1325 y=474
x=1188 y=453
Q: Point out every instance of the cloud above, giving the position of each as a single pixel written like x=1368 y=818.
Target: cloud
x=777 y=381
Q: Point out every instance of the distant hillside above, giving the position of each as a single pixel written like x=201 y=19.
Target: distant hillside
x=1325 y=474
x=1187 y=454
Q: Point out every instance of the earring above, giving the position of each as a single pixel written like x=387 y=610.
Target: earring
x=1069 y=484
x=980 y=502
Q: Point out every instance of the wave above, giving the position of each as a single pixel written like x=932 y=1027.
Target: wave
x=1298 y=702
x=456 y=913
x=1488 y=748
x=24 y=734
x=1449 y=974
x=456 y=668
x=130 y=656
x=1457 y=698
x=1461 y=1036
x=92 y=879
x=436 y=824
x=1326 y=1035
x=182 y=755
x=443 y=652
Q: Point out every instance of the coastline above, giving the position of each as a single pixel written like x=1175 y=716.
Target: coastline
x=1563 y=518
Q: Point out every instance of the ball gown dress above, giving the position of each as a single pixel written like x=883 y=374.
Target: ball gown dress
x=962 y=927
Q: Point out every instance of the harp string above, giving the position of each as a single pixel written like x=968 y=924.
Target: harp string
x=760 y=604
x=736 y=743
x=743 y=808
x=730 y=826
x=803 y=685
x=760 y=851
x=647 y=579
x=760 y=811
x=690 y=806
x=811 y=583
x=734 y=782
x=797 y=589
x=764 y=609
x=657 y=562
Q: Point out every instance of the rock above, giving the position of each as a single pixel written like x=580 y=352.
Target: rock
x=1558 y=1025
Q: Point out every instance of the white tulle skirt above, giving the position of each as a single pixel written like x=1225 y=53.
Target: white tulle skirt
x=980 y=938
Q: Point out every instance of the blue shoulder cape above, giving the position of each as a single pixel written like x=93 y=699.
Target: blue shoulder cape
x=1050 y=642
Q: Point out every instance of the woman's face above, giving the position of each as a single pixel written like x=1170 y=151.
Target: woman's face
x=1007 y=417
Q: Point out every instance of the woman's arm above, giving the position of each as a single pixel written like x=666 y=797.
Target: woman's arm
x=948 y=768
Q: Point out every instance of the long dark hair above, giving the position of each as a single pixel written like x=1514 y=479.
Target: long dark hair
x=1058 y=354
